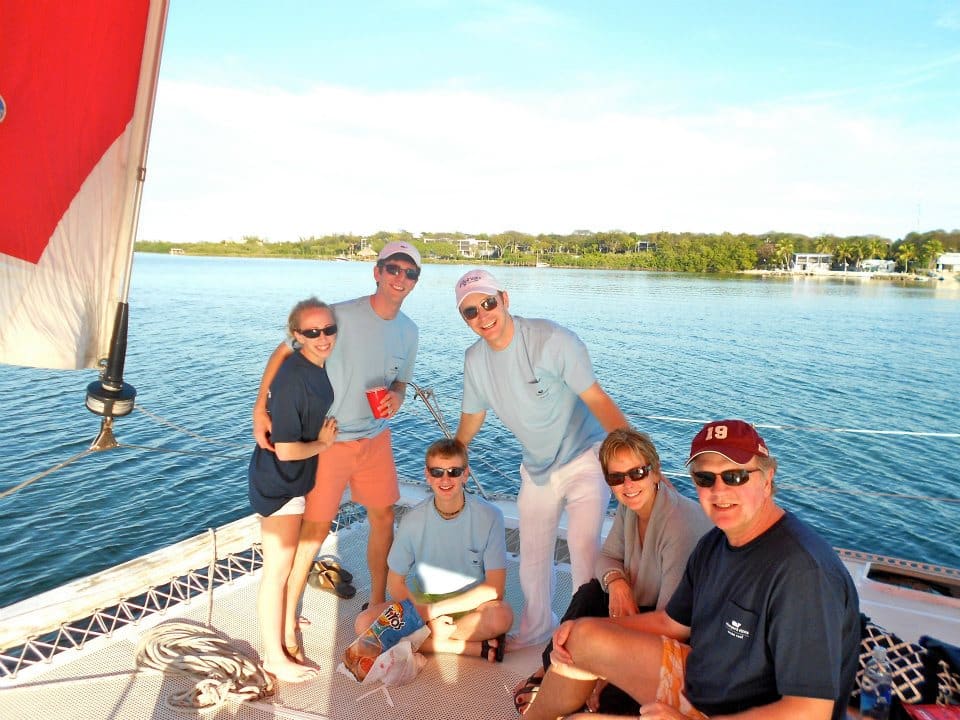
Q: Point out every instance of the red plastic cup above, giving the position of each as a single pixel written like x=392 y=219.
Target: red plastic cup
x=374 y=396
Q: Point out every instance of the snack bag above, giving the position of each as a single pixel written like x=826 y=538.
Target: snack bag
x=397 y=621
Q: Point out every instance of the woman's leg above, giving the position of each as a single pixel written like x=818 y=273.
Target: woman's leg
x=588 y=601
x=279 y=537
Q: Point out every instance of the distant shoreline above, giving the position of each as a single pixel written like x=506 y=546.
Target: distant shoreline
x=915 y=278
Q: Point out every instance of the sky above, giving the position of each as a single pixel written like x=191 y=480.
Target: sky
x=286 y=119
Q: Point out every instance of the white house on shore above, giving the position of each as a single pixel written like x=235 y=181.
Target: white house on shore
x=949 y=262
x=876 y=265
x=811 y=262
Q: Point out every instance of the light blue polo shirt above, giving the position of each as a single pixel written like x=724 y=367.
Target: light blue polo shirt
x=449 y=556
x=533 y=385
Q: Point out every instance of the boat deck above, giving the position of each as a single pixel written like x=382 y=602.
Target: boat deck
x=101 y=680
x=96 y=677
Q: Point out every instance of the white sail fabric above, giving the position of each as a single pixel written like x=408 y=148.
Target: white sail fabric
x=77 y=83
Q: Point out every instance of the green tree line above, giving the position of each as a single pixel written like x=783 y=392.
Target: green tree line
x=614 y=249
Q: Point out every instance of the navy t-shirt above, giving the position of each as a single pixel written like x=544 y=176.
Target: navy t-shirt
x=777 y=616
x=300 y=396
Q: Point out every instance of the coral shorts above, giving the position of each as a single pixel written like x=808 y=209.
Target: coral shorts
x=366 y=465
x=673 y=664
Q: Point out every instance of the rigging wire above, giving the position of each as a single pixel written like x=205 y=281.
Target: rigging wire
x=813 y=428
x=431 y=403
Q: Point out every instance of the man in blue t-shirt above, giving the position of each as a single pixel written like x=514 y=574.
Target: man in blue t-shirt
x=449 y=557
x=765 y=622
x=537 y=377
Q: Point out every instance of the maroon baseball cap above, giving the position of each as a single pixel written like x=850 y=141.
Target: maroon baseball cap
x=736 y=440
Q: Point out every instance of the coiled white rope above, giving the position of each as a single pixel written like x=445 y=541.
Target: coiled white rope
x=221 y=670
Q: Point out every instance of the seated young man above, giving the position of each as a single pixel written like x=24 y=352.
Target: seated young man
x=449 y=557
x=765 y=623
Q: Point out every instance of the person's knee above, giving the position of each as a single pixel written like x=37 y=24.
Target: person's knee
x=381 y=519
x=313 y=533
x=587 y=633
x=501 y=615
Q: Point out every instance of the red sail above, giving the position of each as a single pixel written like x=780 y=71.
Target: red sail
x=77 y=80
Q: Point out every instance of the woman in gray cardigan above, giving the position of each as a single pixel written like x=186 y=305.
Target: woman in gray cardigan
x=643 y=557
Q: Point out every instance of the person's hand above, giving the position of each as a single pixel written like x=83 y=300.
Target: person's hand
x=560 y=636
x=262 y=425
x=390 y=404
x=660 y=711
x=328 y=432
x=593 y=702
x=621 y=599
x=442 y=627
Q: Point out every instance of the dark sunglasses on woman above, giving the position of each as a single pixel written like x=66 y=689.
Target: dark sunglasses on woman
x=618 y=478
x=314 y=333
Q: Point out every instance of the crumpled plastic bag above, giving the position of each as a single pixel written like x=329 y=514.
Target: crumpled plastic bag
x=400 y=664
x=379 y=651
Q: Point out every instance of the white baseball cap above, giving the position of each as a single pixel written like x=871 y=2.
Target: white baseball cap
x=400 y=247
x=476 y=281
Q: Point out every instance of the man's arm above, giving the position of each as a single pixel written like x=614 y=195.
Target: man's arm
x=492 y=588
x=397 y=586
x=789 y=707
x=261 y=418
x=469 y=426
x=604 y=409
x=786 y=708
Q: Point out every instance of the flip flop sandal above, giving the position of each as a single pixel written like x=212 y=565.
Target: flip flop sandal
x=527 y=694
x=332 y=582
x=486 y=647
x=329 y=562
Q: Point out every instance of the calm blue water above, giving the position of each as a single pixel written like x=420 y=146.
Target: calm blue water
x=803 y=353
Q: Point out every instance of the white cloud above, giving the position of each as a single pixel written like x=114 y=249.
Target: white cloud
x=226 y=162
x=949 y=20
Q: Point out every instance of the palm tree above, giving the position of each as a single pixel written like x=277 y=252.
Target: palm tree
x=877 y=248
x=843 y=253
x=783 y=253
x=931 y=250
x=905 y=253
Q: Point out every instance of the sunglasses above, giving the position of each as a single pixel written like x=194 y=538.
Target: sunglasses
x=705 y=479
x=638 y=473
x=488 y=303
x=439 y=472
x=314 y=333
x=395 y=270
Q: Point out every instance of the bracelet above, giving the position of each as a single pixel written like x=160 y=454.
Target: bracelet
x=609 y=576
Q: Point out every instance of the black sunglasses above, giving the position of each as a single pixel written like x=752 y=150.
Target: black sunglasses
x=488 y=303
x=314 y=333
x=733 y=478
x=638 y=473
x=439 y=472
x=411 y=273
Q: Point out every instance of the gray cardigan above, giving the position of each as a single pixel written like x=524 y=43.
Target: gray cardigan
x=654 y=570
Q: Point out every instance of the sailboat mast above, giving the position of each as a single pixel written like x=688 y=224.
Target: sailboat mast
x=110 y=396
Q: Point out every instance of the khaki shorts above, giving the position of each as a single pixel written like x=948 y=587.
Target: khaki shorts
x=366 y=464
x=294 y=506
x=673 y=664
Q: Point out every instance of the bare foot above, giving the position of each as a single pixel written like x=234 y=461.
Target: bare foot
x=288 y=671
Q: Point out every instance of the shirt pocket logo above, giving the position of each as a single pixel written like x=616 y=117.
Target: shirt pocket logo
x=738 y=622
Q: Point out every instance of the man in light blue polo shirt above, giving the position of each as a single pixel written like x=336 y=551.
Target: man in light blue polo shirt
x=537 y=377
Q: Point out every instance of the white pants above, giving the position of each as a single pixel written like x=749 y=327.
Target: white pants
x=580 y=486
